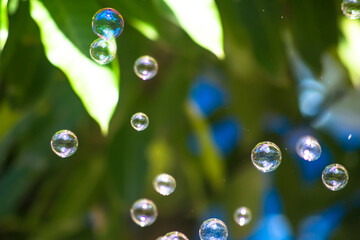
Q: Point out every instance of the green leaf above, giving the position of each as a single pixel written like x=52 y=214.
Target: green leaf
x=4 y=23
x=212 y=162
x=201 y=20
x=97 y=86
x=349 y=49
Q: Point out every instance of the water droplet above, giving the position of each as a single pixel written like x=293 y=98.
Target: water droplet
x=335 y=177
x=64 y=143
x=175 y=236
x=164 y=184
x=351 y=8
x=213 y=229
x=103 y=51
x=139 y=121
x=242 y=216
x=107 y=23
x=266 y=156
x=144 y=212
x=308 y=148
x=145 y=67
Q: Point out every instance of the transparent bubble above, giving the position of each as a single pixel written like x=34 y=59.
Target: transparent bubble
x=266 y=156
x=144 y=212
x=308 y=148
x=139 y=121
x=351 y=8
x=175 y=236
x=242 y=216
x=145 y=67
x=164 y=184
x=335 y=177
x=107 y=23
x=213 y=229
x=103 y=51
x=64 y=143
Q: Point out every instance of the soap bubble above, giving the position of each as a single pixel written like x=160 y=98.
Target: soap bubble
x=145 y=67
x=107 y=23
x=64 y=143
x=143 y=212
x=242 y=216
x=351 y=8
x=139 y=121
x=213 y=229
x=164 y=184
x=308 y=148
x=175 y=236
x=335 y=177
x=103 y=51
x=266 y=156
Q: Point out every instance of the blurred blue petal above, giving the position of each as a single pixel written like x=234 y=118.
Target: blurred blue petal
x=272 y=224
x=207 y=95
x=226 y=134
x=320 y=226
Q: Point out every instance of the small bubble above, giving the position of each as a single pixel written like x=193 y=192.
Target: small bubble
x=164 y=184
x=350 y=136
x=103 y=51
x=266 y=156
x=145 y=67
x=351 y=8
x=143 y=212
x=175 y=236
x=308 y=148
x=107 y=23
x=139 y=121
x=64 y=143
x=213 y=229
x=335 y=177
x=242 y=216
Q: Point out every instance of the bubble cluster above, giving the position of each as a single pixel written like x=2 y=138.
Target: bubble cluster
x=144 y=212
x=103 y=51
x=145 y=67
x=64 y=143
x=351 y=8
x=308 y=148
x=335 y=177
x=213 y=229
x=164 y=184
x=174 y=236
x=242 y=216
x=139 y=121
x=107 y=23
x=266 y=156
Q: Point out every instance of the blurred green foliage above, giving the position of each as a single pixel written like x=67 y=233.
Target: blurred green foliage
x=88 y=196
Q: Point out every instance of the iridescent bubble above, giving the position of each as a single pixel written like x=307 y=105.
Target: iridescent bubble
x=242 y=216
x=266 y=156
x=144 y=212
x=308 y=148
x=175 y=236
x=107 y=23
x=213 y=229
x=351 y=8
x=164 y=184
x=335 y=177
x=145 y=67
x=103 y=51
x=139 y=121
x=64 y=143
